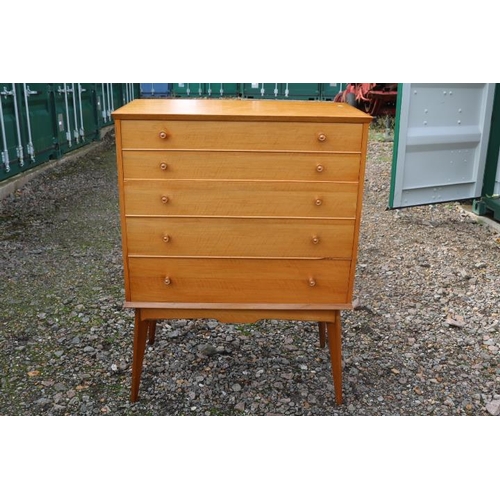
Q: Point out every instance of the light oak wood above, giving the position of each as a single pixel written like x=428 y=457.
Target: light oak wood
x=145 y=320
x=140 y=337
x=240 y=110
x=239 y=211
x=233 y=315
x=334 y=330
x=219 y=165
x=242 y=280
x=245 y=136
x=240 y=237
x=240 y=198
x=309 y=308
x=364 y=145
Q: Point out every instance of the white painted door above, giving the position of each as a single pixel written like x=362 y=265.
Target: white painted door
x=441 y=140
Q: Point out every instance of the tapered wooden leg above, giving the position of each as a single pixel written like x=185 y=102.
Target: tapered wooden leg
x=335 y=345
x=151 y=331
x=140 y=336
x=322 y=332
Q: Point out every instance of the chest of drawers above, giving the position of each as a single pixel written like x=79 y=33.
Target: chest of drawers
x=240 y=210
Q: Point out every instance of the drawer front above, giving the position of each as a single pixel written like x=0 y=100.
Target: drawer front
x=230 y=135
x=232 y=237
x=241 y=165
x=240 y=198
x=239 y=281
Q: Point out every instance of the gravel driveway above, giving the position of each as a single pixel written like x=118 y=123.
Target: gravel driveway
x=423 y=340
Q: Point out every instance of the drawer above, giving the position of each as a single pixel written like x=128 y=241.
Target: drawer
x=237 y=237
x=240 y=198
x=239 y=280
x=231 y=135
x=241 y=165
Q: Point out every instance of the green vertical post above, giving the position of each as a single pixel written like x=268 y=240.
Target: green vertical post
x=490 y=201
x=396 y=145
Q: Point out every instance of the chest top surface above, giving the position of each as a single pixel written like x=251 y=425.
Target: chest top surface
x=240 y=109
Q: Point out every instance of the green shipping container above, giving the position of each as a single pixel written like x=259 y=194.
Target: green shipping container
x=330 y=90
x=39 y=123
x=104 y=103
x=12 y=149
x=222 y=90
x=490 y=194
x=297 y=91
x=42 y=121
x=300 y=91
x=27 y=127
x=261 y=90
x=188 y=89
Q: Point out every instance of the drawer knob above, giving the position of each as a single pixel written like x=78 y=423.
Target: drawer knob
x=321 y=137
x=315 y=239
x=164 y=199
x=319 y=168
x=166 y=238
x=163 y=166
x=163 y=135
x=167 y=281
x=318 y=202
x=312 y=282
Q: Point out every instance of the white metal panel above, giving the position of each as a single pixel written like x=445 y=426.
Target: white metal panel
x=442 y=142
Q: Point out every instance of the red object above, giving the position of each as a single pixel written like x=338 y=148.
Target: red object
x=382 y=102
x=374 y=98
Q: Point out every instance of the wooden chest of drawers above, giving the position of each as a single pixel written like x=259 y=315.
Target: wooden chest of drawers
x=240 y=210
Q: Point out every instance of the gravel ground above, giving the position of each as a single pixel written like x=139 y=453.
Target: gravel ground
x=424 y=338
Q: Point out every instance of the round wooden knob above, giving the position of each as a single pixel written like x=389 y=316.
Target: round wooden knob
x=321 y=137
x=164 y=199
x=163 y=134
x=318 y=202
x=166 y=238
x=312 y=282
x=167 y=281
x=315 y=239
x=163 y=166
x=319 y=168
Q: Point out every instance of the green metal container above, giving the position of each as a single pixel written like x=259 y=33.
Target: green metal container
x=26 y=127
x=12 y=158
x=490 y=195
x=300 y=91
x=68 y=123
x=90 y=119
x=261 y=90
x=38 y=121
x=105 y=104
x=297 y=91
x=222 y=90
x=188 y=89
x=330 y=90
x=120 y=93
x=42 y=121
